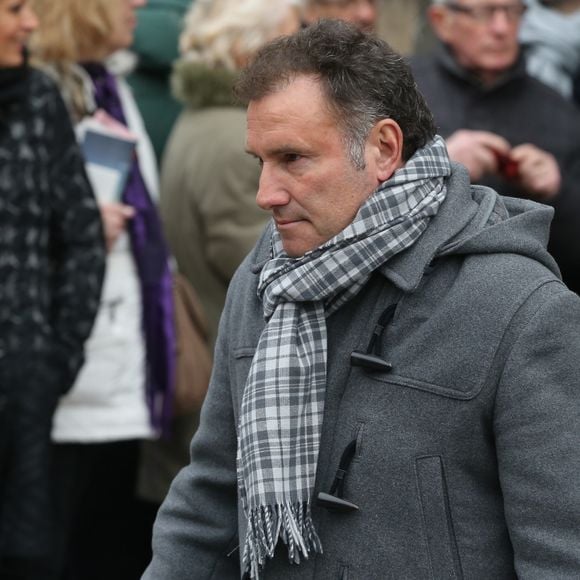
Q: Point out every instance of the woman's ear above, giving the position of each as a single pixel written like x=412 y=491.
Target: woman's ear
x=386 y=143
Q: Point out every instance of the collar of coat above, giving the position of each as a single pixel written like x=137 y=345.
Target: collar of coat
x=405 y=270
x=200 y=87
x=459 y=228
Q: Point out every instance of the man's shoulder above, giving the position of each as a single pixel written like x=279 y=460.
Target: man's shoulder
x=432 y=78
x=243 y=318
x=248 y=273
x=423 y=65
x=420 y=62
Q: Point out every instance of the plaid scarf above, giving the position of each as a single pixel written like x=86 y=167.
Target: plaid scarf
x=283 y=402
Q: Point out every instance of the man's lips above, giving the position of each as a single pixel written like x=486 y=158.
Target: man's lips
x=281 y=223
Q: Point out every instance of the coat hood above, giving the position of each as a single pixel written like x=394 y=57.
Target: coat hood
x=159 y=25
x=199 y=87
x=471 y=220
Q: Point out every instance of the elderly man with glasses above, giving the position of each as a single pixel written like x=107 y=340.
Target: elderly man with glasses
x=511 y=132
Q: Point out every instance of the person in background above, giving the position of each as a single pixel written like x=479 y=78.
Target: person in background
x=395 y=388
x=52 y=258
x=155 y=45
x=208 y=183
x=361 y=13
x=123 y=393
x=512 y=132
x=550 y=35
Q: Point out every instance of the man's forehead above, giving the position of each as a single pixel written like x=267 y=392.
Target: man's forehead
x=340 y=4
x=290 y=118
x=290 y=94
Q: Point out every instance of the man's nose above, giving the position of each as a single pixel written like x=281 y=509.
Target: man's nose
x=500 y=21
x=271 y=193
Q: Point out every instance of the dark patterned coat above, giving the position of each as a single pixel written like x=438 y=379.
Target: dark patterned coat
x=51 y=267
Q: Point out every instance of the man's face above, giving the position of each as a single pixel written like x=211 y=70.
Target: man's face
x=483 y=34
x=361 y=13
x=308 y=181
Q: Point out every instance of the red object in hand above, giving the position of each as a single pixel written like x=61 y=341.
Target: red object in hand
x=507 y=167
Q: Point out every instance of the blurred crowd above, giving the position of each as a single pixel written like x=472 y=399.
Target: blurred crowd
x=123 y=166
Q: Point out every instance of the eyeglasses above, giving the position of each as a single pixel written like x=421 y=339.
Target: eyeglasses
x=484 y=14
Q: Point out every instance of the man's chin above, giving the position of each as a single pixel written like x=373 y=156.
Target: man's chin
x=296 y=247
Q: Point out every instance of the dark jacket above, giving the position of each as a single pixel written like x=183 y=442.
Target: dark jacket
x=466 y=457
x=51 y=267
x=522 y=110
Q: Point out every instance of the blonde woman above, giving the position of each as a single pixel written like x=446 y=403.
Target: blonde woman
x=122 y=394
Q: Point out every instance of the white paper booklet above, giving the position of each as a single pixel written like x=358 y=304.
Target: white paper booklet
x=108 y=148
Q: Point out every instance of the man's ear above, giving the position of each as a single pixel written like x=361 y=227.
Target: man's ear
x=386 y=142
x=440 y=19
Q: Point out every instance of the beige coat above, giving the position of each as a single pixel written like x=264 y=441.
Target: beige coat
x=208 y=187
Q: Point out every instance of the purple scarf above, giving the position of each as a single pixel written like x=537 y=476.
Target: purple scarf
x=152 y=260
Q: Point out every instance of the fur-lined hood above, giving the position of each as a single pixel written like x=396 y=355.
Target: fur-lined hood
x=200 y=87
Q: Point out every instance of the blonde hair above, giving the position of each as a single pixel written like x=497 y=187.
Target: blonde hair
x=225 y=33
x=72 y=30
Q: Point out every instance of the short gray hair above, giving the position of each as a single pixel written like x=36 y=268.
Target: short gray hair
x=363 y=78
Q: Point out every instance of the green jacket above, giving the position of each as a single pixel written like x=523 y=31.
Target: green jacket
x=156 y=46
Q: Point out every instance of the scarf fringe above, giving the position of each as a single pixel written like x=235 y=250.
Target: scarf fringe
x=292 y=522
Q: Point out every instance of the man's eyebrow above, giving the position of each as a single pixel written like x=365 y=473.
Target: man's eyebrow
x=280 y=151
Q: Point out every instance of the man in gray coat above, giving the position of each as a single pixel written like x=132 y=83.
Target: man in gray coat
x=395 y=394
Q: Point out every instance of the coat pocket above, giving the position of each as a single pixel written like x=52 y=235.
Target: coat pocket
x=437 y=522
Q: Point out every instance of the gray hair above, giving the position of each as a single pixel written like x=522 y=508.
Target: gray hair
x=364 y=79
x=221 y=33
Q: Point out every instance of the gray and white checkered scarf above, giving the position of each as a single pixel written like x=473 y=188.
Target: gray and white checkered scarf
x=283 y=402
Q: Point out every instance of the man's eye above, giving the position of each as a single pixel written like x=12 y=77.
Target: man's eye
x=292 y=157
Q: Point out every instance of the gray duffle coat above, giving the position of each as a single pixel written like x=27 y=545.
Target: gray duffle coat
x=467 y=453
